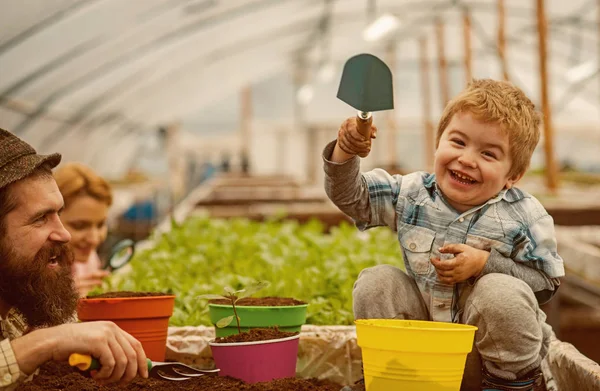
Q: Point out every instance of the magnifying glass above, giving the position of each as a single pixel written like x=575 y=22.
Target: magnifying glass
x=121 y=254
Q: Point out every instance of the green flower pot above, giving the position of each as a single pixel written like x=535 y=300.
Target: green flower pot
x=287 y=318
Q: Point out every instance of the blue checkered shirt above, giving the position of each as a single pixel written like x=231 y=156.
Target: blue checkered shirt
x=513 y=226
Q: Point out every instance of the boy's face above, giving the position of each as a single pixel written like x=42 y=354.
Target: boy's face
x=472 y=162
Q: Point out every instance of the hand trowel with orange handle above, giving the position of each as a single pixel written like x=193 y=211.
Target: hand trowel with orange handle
x=174 y=371
x=367 y=86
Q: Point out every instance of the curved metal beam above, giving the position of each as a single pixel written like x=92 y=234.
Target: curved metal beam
x=82 y=49
x=85 y=111
x=72 y=54
x=251 y=43
x=165 y=40
x=572 y=91
x=123 y=135
x=413 y=27
x=44 y=24
x=94 y=125
x=492 y=45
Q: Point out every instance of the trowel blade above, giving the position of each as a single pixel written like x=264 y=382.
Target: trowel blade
x=366 y=84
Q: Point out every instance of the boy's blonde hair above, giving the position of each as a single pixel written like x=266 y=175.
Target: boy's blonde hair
x=499 y=102
x=75 y=179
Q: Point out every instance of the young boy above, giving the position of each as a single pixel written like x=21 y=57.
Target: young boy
x=476 y=249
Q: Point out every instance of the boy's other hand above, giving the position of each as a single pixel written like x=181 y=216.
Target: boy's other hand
x=351 y=141
x=467 y=262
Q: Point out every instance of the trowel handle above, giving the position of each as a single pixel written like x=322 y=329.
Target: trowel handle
x=85 y=362
x=363 y=122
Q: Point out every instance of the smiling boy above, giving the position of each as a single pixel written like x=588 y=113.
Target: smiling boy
x=476 y=249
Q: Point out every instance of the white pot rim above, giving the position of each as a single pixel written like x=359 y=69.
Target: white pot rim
x=213 y=343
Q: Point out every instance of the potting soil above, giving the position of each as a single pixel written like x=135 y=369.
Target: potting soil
x=111 y=295
x=256 y=335
x=261 y=301
x=60 y=376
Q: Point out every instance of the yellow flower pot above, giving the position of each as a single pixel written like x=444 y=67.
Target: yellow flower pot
x=413 y=355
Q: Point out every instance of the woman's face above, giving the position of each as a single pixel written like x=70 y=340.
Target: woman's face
x=85 y=219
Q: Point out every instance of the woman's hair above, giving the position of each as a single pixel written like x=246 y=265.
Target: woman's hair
x=75 y=179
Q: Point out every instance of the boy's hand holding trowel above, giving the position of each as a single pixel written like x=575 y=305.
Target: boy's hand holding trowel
x=351 y=141
x=367 y=86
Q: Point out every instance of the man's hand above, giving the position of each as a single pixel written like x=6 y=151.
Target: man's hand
x=121 y=356
x=468 y=262
x=351 y=141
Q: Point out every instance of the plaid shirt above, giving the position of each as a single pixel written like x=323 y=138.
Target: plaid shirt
x=10 y=328
x=513 y=226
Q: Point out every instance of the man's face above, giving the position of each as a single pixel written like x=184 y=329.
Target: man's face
x=472 y=162
x=35 y=262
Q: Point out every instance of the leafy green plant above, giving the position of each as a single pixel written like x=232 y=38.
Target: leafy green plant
x=302 y=261
x=233 y=297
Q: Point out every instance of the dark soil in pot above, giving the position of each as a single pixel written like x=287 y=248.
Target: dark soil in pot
x=112 y=295
x=255 y=335
x=59 y=376
x=261 y=302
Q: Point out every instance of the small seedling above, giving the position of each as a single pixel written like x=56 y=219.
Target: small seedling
x=233 y=297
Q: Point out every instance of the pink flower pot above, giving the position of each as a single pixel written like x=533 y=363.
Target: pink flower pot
x=258 y=361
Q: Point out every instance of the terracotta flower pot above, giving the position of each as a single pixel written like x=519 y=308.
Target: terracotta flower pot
x=145 y=318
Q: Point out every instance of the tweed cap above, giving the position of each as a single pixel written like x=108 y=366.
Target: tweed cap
x=18 y=159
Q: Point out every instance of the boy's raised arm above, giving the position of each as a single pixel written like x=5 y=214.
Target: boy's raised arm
x=344 y=185
x=370 y=199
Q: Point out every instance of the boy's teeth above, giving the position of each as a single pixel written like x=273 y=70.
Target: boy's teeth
x=463 y=177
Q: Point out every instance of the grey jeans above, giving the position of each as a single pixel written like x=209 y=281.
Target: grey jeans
x=512 y=336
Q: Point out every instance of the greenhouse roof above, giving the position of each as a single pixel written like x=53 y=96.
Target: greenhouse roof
x=115 y=67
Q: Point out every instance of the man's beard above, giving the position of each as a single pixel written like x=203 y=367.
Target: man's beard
x=44 y=296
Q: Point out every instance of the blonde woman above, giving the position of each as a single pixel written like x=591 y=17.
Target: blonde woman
x=87 y=198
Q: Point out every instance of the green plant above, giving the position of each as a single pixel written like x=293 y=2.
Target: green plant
x=233 y=297
x=302 y=261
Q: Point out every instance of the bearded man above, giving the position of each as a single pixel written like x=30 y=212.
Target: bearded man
x=37 y=293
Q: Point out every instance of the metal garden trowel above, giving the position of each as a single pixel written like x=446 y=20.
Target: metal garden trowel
x=174 y=371
x=367 y=86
